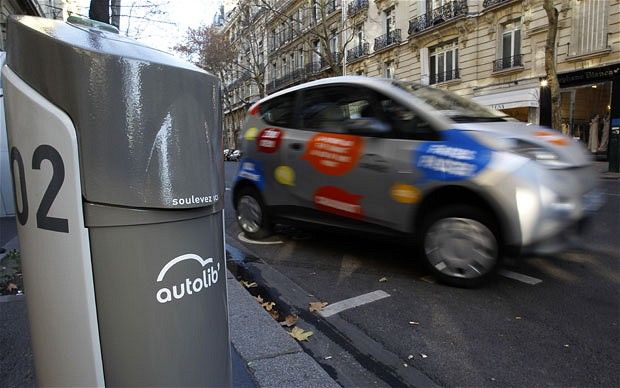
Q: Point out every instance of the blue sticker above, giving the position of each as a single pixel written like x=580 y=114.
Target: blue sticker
x=251 y=170
x=457 y=157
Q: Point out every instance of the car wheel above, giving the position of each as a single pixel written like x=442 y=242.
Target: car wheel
x=461 y=245
x=252 y=214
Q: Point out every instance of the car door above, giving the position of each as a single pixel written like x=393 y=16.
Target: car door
x=337 y=169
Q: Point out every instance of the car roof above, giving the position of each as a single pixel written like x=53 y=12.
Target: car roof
x=351 y=79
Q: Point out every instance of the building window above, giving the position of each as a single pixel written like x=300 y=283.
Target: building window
x=359 y=35
x=444 y=65
x=333 y=42
x=389 y=20
x=389 y=69
x=510 y=46
x=590 y=24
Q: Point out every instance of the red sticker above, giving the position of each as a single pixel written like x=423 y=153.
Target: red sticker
x=337 y=201
x=269 y=140
x=333 y=154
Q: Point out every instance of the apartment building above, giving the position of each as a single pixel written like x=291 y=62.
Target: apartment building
x=492 y=51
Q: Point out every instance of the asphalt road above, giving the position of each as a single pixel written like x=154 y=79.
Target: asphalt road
x=561 y=331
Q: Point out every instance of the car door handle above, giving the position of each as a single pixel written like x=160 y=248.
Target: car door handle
x=295 y=146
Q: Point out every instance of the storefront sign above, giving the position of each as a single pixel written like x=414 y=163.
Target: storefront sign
x=587 y=76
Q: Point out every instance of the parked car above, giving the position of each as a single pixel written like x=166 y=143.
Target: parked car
x=468 y=184
x=235 y=155
x=226 y=153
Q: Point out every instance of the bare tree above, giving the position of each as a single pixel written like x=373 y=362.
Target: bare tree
x=550 y=69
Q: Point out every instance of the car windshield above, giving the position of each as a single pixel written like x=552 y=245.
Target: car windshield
x=457 y=108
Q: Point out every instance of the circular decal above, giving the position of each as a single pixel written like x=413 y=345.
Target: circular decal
x=333 y=154
x=250 y=134
x=337 y=201
x=285 y=175
x=268 y=140
x=404 y=193
x=551 y=137
x=458 y=156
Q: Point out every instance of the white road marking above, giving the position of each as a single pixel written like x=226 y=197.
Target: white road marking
x=350 y=303
x=242 y=237
x=519 y=277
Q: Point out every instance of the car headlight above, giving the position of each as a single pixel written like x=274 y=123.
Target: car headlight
x=536 y=152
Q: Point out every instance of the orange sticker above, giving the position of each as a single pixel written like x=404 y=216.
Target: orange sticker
x=333 y=154
x=404 y=193
x=337 y=201
x=550 y=137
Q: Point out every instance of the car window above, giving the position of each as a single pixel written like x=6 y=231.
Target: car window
x=279 y=111
x=330 y=109
x=405 y=123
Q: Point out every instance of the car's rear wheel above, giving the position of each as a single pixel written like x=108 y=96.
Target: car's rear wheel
x=252 y=214
x=461 y=245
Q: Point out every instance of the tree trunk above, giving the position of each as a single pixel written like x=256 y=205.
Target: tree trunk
x=552 y=76
x=99 y=10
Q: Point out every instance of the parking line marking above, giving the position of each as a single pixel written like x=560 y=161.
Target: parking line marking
x=350 y=303
x=244 y=239
x=520 y=277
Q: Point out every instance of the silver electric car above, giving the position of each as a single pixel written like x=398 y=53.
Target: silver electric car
x=467 y=184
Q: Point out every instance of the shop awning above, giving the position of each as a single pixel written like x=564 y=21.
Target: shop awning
x=510 y=99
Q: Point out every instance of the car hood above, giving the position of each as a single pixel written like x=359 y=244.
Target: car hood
x=570 y=151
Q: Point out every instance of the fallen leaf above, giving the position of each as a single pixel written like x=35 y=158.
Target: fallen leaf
x=410 y=357
x=518 y=318
x=290 y=320
x=317 y=306
x=247 y=284
x=382 y=280
x=274 y=314
x=414 y=323
x=328 y=357
x=259 y=299
x=300 y=334
x=268 y=305
x=423 y=355
x=405 y=365
x=566 y=345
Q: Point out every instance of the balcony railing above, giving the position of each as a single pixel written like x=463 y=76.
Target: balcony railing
x=443 y=77
x=332 y=6
x=491 y=3
x=313 y=67
x=356 y=7
x=437 y=16
x=335 y=59
x=387 y=40
x=508 y=62
x=357 y=52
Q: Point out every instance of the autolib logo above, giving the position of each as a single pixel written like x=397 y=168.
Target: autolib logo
x=208 y=278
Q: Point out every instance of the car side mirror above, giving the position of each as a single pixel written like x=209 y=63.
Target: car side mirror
x=367 y=126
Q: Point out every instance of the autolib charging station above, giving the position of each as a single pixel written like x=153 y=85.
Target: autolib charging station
x=115 y=151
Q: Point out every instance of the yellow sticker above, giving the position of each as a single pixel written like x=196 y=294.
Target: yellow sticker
x=251 y=134
x=285 y=175
x=404 y=193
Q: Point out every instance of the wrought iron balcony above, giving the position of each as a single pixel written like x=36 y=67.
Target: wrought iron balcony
x=491 y=3
x=508 y=62
x=313 y=68
x=335 y=57
x=357 y=52
x=437 y=16
x=356 y=7
x=443 y=77
x=387 y=40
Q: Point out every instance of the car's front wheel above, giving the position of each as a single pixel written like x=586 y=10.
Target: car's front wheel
x=252 y=214
x=461 y=245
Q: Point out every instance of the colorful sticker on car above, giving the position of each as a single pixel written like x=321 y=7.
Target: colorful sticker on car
x=338 y=201
x=285 y=175
x=333 y=154
x=551 y=137
x=268 y=140
x=250 y=134
x=458 y=156
x=253 y=171
x=405 y=193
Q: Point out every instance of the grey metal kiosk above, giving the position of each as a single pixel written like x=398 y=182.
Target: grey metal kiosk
x=118 y=175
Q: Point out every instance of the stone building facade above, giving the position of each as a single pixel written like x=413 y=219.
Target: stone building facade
x=492 y=51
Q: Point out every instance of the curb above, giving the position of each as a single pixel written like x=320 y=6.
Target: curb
x=272 y=356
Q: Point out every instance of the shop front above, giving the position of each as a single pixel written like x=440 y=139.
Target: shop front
x=520 y=104
x=586 y=105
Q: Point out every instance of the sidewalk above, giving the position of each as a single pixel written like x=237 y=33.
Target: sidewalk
x=263 y=353
x=603 y=169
